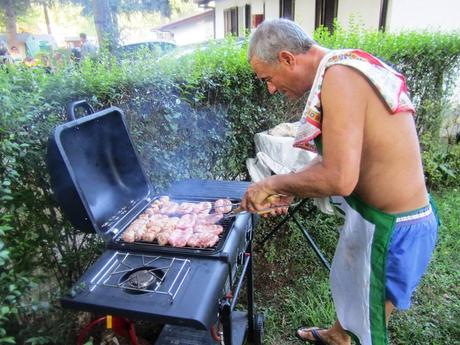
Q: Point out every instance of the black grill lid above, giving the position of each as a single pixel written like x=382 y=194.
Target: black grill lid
x=95 y=172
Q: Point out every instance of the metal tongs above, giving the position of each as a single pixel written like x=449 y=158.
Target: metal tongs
x=238 y=210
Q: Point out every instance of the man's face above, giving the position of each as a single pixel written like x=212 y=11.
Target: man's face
x=279 y=77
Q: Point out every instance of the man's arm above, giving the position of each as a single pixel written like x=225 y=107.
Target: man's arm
x=344 y=104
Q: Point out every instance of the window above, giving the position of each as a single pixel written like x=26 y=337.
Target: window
x=326 y=12
x=287 y=9
x=247 y=17
x=231 y=21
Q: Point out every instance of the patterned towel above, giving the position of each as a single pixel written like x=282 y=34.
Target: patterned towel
x=390 y=84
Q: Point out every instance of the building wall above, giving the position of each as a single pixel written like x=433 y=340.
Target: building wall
x=257 y=7
x=423 y=14
x=196 y=31
x=241 y=17
x=272 y=9
x=401 y=14
x=366 y=13
x=304 y=13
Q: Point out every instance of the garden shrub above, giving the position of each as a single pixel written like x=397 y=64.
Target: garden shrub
x=193 y=117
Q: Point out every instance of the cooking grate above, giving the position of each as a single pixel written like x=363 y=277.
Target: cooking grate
x=139 y=274
x=225 y=222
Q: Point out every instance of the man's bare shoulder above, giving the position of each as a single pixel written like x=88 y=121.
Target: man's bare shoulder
x=345 y=88
x=341 y=76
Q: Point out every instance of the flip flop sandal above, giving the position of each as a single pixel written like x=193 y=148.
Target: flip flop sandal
x=314 y=332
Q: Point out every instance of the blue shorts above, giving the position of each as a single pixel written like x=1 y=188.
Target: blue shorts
x=411 y=246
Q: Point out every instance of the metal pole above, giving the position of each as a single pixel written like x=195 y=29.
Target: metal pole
x=280 y=224
x=226 y=320
x=312 y=244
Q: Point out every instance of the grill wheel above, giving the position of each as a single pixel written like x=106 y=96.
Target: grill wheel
x=259 y=322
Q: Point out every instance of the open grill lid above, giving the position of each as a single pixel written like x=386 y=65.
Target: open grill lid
x=95 y=172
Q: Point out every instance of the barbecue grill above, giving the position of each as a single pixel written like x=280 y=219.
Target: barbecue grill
x=100 y=185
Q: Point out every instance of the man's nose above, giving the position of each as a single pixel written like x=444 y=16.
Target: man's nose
x=271 y=88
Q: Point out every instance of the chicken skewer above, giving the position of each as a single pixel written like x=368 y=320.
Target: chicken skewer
x=185 y=224
x=239 y=210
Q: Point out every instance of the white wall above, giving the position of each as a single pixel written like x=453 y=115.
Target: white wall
x=423 y=14
x=241 y=17
x=195 y=31
x=304 y=13
x=362 y=12
x=402 y=14
x=272 y=9
x=219 y=18
x=257 y=6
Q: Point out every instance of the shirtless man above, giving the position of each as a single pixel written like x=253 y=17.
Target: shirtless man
x=361 y=119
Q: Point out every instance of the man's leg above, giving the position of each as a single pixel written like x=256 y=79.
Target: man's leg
x=336 y=335
x=389 y=307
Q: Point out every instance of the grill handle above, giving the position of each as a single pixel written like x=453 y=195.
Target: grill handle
x=72 y=106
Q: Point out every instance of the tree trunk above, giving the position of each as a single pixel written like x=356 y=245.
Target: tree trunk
x=11 y=30
x=107 y=31
x=47 y=19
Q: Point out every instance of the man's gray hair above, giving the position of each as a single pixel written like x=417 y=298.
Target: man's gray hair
x=273 y=36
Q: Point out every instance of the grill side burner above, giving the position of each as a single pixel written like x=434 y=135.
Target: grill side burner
x=133 y=273
x=142 y=279
x=192 y=303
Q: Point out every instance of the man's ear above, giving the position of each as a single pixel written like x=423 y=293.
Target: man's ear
x=286 y=58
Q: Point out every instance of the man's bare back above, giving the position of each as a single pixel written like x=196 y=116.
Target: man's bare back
x=391 y=175
x=366 y=149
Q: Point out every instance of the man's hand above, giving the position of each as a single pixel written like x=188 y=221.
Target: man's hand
x=259 y=196
x=279 y=205
x=256 y=195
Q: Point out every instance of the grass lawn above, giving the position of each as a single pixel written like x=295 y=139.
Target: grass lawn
x=293 y=288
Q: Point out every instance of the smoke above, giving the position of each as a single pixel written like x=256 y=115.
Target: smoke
x=175 y=140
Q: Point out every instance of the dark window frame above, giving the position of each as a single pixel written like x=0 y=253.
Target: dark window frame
x=247 y=16
x=326 y=12
x=287 y=6
x=383 y=15
x=231 y=21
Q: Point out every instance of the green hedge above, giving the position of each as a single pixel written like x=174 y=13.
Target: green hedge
x=191 y=117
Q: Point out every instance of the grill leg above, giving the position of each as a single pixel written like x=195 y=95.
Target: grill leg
x=225 y=319
x=284 y=220
x=250 y=292
x=313 y=244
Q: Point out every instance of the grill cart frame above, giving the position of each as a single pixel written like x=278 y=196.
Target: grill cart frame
x=100 y=185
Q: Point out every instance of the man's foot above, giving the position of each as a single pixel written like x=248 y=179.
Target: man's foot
x=321 y=336
x=311 y=334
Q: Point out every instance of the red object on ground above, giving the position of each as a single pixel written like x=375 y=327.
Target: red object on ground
x=120 y=326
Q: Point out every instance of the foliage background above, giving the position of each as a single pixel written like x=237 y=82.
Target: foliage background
x=190 y=117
